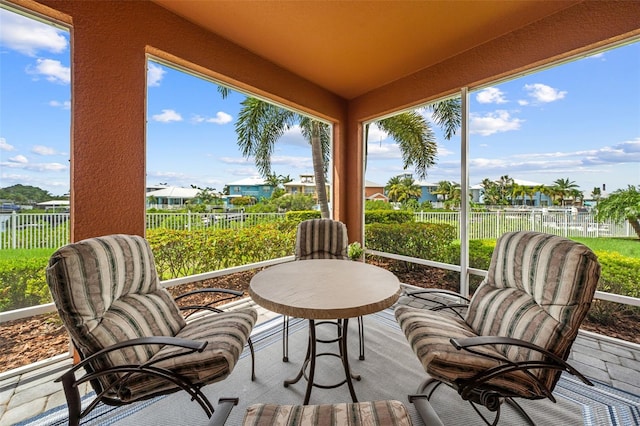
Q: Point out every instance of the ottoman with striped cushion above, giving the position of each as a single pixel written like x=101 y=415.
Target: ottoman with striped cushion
x=387 y=413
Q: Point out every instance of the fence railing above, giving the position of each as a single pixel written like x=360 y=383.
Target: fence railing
x=51 y=230
x=490 y=225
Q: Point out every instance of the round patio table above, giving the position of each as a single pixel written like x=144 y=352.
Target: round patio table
x=323 y=289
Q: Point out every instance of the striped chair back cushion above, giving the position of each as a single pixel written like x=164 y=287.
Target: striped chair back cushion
x=321 y=239
x=107 y=291
x=539 y=288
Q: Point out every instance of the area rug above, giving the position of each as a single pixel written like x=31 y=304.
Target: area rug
x=390 y=371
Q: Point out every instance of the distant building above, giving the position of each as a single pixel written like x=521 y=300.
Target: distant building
x=374 y=191
x=170 y=197
x=255 y=187
x=306 y=185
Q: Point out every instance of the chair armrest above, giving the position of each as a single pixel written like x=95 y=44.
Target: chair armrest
x=551 y=360
x=192 y=345
x=232 y=295
x=419 y=294
x=235 y=293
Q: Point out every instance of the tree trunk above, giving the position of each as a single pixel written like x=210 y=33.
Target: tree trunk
x=318 y=169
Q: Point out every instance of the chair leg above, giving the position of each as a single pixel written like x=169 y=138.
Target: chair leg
x=285 y=339
x=253 y=360
x=72 y=394
x=361 y=337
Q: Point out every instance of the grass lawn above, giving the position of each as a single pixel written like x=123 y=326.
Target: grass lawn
x=629 y=247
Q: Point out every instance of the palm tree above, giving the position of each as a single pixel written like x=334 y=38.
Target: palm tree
x=403 y=189
x=563 y=188
x=505 y=189
x=518 y=191
x=620 y=205
x=261 y=124
x=596 y=194
x=444 y=189
x=491 y=195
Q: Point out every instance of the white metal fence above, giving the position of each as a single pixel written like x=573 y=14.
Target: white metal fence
x=51 y=230
x=490 y=225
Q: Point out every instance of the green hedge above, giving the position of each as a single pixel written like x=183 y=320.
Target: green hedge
x=22 y=279
x=422 y=240
x=182 y=253
x=388 y=216
x=300 y=215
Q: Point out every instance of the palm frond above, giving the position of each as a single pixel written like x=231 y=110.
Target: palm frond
x=416 y=139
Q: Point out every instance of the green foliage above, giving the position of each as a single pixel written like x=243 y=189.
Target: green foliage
x=620 y=205
x=26 y=194
x=182 y=253
x=242 y=201
x=377 y=205
x=388 y=216
x=22 y=279
x=620 y=274
x=355 y=251
x=296 y=202
x=298 y=216
x=629 y=247
x=422 y=240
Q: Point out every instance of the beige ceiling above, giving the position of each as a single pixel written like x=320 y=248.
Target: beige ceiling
x=353 y=47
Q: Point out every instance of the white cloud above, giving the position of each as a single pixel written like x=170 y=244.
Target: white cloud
x=293 y=137
x=376 y=134
x=167 y=116
x=493 y=122
x=293 y=162
x=21 y=162
x=155 y=74
x=5 y=146
x=43 y=150
x=19 y=159
x=235 y=160
x=491 y=95
x=63 y=105
x=220 y=118
x=383 y=151
x=543 y=93
x=29 y=36
x=52 y=70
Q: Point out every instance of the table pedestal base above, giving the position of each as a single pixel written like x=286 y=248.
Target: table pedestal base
x=312 y=355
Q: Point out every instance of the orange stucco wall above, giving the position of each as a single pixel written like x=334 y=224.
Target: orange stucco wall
x=110 y=41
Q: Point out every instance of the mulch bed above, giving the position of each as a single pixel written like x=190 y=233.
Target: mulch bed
x=37 y=338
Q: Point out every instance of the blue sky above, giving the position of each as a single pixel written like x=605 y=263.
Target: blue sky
x=580 y=121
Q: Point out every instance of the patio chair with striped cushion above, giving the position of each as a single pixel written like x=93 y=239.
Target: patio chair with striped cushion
x=518 y=328
x=130 y=334
x=320 y=239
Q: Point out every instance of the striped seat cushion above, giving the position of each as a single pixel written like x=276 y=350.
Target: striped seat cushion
x=321 y=239
x=226 y=334
x=429 y=335
x=383 y=413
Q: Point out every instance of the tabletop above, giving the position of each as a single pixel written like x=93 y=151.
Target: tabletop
x=325 y=289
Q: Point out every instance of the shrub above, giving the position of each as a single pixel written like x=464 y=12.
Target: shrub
x=422 y=240
x=388 y=216
x=620 y=275
x=23 y=283
x=300 y=215
x=181 y=253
